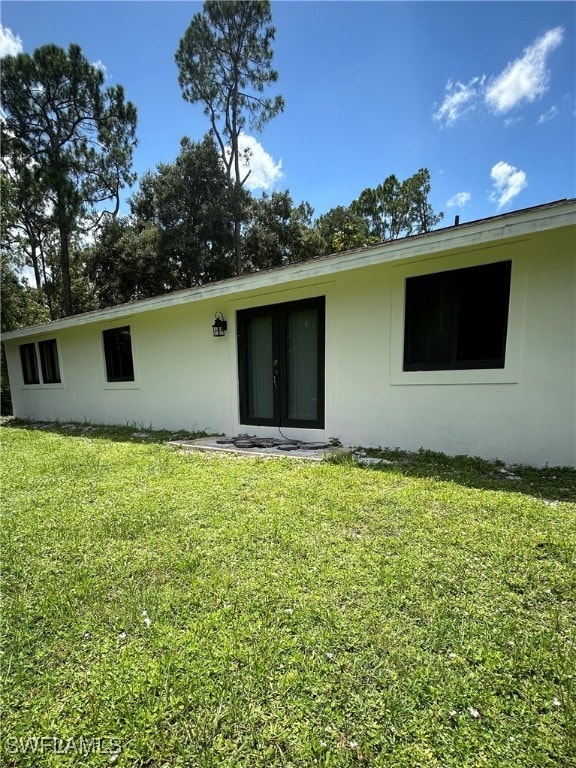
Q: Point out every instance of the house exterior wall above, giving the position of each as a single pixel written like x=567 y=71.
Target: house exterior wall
x=185 y=378
x=180 y=371
x=524 y=413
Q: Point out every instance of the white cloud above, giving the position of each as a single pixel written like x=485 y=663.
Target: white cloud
x=550 y=114
x=10 y=44
x=459 y=199
x=102 y=67
x=458 y=101
x=512 y=121
x=525 y=79
x=508 y=182
x=264 y=172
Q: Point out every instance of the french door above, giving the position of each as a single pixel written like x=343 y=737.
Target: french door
x=281 y=364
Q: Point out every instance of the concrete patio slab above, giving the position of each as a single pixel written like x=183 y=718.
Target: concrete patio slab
x=283 y=449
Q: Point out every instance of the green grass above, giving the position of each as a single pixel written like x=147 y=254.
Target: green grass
x=201 y=610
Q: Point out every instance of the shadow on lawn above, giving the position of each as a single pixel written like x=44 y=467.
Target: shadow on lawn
x=129 y=433
x=549 y=483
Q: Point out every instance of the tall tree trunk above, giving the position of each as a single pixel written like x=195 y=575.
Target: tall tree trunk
x=64 y=232
x=47 y=286
x=238 y=244
x=236 y=154
x=35 y=264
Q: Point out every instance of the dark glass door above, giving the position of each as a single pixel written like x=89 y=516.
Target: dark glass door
x=281 y=364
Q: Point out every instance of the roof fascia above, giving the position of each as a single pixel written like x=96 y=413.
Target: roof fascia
x=460 y=237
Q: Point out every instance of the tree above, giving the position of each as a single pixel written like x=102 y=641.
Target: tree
x=394 y=208
x=178 y=235
x=224 y=63
x=190 y=202
x=279 y=233
x=385 y=209
x=26 y=230
x=21 y=305
x=67 y=141
x=342 y=229
x=125 y=264
x=417 y=189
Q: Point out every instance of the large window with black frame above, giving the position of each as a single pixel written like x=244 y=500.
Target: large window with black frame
x=457 y=319
x=49 y=361
x=118 y=354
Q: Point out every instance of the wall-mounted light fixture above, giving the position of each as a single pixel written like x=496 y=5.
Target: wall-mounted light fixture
x=220 y=325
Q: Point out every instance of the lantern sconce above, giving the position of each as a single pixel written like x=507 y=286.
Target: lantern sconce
x=220 y=325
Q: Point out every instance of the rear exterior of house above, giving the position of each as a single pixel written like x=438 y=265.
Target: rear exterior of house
x=462 y=340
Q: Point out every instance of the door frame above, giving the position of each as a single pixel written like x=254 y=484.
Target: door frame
x=278 y=312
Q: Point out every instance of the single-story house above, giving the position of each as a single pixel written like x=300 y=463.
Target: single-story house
x=461 y=340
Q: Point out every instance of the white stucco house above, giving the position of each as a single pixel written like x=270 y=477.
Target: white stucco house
x=462 y=340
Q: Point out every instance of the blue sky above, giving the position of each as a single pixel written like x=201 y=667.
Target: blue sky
x=482 y=94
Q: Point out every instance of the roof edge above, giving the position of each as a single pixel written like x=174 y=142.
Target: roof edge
x=525 y=221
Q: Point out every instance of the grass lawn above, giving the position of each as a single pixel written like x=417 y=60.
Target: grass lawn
x=163 y=609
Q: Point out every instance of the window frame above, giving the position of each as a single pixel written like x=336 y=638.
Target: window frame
x=29 y=351
x=110 y=377
x=49 y=360
x=457 y=283
x=511 y=250
x=43 y=380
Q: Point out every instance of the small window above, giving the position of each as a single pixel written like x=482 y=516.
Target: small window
x=29 y=363
x=49 y=361
x=118 y=354
x=457 y=319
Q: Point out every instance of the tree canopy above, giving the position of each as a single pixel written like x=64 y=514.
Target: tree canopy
x=224 y=63
x=396 y=208
x=67 y=148
x=342 y=228
x=279 y=233
x=67 y=152
x=178 y=235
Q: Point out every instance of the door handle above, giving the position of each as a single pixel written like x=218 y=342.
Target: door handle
x=275 y=374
